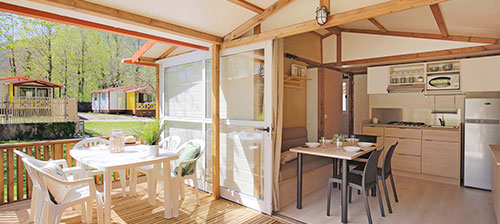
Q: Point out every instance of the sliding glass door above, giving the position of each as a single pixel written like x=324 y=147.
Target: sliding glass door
x=245 y=112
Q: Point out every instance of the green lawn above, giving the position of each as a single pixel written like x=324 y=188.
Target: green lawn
x=105 y=128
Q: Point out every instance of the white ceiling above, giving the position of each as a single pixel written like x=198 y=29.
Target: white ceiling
x=219 y=17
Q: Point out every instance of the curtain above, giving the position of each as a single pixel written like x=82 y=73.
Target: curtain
x=278 y=72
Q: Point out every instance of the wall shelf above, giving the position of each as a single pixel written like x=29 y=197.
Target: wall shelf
x=295 y=81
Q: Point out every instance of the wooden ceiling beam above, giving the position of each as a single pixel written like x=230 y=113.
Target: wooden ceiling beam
x=147 y=60
x=142 y=50
x=248 y=5
x=380 y=9
x=438 y=16
x=377 y=24
x=325 y=3
x=167 y=53
x=130 y=18
x=257 y=20
x=482 y=40
x=449 y=52
x=129 y=61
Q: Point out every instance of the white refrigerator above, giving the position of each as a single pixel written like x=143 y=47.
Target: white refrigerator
x=482 y=118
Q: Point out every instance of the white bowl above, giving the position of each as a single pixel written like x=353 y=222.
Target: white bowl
x=313 y=144
x=352 y=140
x=351 y=148
x=328 y=141
x=365 y=144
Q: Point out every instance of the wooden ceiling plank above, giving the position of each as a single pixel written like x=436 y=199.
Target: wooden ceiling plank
x=256 y=20
x=438 y=16
x=248 y=5
x=380 y=9
x=5 y=7
x=142 y=50
x=449 y=52
x=377 y=24
x=130 y=18
x=483 y=40
x=167 y=53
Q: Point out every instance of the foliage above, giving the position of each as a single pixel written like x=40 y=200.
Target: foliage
x=338 y=138
x=82 y=60
x=151 y=132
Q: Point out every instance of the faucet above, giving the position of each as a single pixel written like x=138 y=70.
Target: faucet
x=441 y=121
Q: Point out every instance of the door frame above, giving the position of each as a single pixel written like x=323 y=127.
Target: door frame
x=263 y=205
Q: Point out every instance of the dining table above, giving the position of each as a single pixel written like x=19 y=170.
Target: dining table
x=100 y=157
x=335 y=152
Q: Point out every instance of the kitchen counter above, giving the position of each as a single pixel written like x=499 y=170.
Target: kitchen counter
x=415 y=127
x=495 y=152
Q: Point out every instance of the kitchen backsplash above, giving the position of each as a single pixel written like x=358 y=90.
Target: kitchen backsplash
x=417 y=107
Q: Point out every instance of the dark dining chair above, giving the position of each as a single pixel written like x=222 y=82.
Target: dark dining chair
x=384 y=173
x=361 y=182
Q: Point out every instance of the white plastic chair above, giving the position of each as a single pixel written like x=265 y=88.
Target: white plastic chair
x=36 y=195
x=82 y=192
x=88 y=171
x=171 y=144
x=196 y=142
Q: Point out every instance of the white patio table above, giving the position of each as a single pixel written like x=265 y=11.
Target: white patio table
x=134 y=156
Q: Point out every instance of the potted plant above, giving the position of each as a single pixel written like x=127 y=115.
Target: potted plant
x=150 y=135
x=338 y=139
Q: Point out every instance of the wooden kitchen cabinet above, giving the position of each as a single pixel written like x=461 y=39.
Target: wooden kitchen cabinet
x=409 y=163
x=441 y=158
x=480 y=74
x=377 y=80
x=405 y=146
x=403 y=132
x=452 y=135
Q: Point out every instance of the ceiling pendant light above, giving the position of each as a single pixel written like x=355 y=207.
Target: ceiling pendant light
x=322 y=15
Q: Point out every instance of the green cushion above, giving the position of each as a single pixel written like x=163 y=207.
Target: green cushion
x=189 y=152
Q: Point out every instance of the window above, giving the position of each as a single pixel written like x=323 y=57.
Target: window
x=344 y=95
x=42 y=92
x=26 y=92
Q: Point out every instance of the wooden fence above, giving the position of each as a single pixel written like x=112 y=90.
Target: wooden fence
x=15 y=184
x=30 y=110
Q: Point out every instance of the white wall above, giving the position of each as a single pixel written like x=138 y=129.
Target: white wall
x=361 y=102
x=312 y=104
x=361 y=46
x=113 y=100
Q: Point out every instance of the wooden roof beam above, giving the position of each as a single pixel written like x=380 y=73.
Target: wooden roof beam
x=377 y=24
x=142 y=50
x=380 y=9
x=167 y=53
x=130 y=18
x=449 y=52
x=257 y=20
x=482 y=40
x=248 y=5
x=438 y=16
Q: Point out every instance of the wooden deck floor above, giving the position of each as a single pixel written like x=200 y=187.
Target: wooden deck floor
x=137 y=210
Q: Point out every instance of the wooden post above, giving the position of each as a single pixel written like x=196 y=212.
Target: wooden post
x=215 y=121
x=157 y=98
x=350 y=102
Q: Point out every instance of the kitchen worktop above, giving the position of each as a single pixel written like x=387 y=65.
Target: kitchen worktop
x=415 y=127
x=495 y=152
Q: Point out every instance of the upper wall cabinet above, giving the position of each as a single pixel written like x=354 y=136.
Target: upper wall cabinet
x=378 y=80
x=480 y=74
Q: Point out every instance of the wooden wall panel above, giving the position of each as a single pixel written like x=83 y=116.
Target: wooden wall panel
x=332 y=102
x=306 y=45
x=294 y=108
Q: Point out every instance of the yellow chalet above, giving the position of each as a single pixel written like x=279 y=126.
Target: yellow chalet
x=125 y=99
x=26 y=88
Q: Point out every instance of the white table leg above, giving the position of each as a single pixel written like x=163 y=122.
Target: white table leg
x=133 y=181
x=107 y=197
x=167 y=186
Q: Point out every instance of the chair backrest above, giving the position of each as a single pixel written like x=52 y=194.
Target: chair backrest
x=88 y=142
x=367 y=138
x=370 y=172
x=170 y=143
x=196 y=142
x=39 y=163
x=386 y=166
x=33 y=166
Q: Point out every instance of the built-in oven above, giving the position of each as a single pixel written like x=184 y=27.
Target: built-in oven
x=443 y=82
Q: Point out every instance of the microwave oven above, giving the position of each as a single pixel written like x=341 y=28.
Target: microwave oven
x=443 y=82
